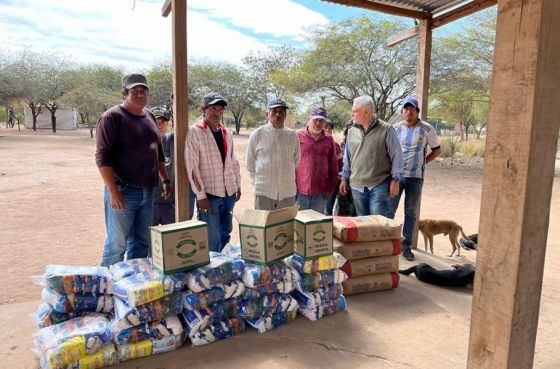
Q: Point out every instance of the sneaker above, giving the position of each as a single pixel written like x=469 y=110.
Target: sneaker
x=408 y=255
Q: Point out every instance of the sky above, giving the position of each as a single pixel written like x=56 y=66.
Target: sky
x=133 y=34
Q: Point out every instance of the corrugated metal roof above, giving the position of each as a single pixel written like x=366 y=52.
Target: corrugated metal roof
x=428 y=6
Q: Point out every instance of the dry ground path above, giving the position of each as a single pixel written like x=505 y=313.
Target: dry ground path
x=52 y=212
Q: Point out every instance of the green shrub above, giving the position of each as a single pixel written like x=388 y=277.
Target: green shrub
x=472 y=148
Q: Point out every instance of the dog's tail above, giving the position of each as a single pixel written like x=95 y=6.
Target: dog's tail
x=463 y=234
x=408 y=271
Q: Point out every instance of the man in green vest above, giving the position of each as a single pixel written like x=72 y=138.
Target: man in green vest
x=372 y=163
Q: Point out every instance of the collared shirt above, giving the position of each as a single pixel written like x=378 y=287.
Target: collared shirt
x=207 y=173
x=318 y=170
x=272 y=157
x=393 y=150
x=414 y=143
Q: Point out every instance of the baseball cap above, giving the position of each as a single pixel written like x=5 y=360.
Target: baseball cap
x=132 y=80
x=160 y=112
x=213 y=98
x=276 y=102
x=409 y=100
x=318 y=112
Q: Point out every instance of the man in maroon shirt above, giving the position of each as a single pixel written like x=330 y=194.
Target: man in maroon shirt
x=130 y=159
x=317 y=173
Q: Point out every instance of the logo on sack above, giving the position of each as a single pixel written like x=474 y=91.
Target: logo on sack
x=319 y=235
x=280 y=241
x=189 y=244
x=252 y=240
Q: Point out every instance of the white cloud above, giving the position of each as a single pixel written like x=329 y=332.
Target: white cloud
x=134 y=34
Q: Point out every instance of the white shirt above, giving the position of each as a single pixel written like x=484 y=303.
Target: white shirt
x=272 y=157
x=414 y=143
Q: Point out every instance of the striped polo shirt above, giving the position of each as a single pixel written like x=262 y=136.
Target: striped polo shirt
x=414 y=143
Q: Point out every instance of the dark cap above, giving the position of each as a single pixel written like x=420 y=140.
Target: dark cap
x=161 y=112
x=318 y=112
x=213 y=98
x=132 y=80
x=410 y=101
x=275 y=103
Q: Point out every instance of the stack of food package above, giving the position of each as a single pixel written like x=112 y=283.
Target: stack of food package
x=266 y=302
x=372 y=245
x=211 y=306
x=73 y=322
x=319 y=291
x=72 y=291
x=146 y=306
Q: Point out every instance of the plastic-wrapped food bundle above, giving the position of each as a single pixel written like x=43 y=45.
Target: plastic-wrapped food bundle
x=45 y=316
x=221 y=269
x=313 y=281
x=199 y=319
x=267 y=305
x=317 y=264
x=259 y=275
x=106 y=356
x=130 y=316
x=149 y=347
x=217 y=331
x=127 y=268
x=317 y=297
x=326 y=308
x=266 y=323
x=170 y=326
x=62 y=344
x=70 y=279
x=261 y=291
x=76 y=302
x=148 y=286
x=220 y=292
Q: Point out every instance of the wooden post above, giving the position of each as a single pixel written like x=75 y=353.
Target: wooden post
x=521 y=146
x=180 y=106
x=422 y=86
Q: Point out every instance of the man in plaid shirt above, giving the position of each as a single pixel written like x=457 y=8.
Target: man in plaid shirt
x=213 y=170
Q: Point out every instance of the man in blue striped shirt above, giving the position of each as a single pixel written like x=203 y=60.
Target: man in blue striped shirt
x=415 y=136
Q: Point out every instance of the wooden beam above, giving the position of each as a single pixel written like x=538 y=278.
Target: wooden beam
x=180 y=106
x=402 y=36
x=422 y=87
x=517 y=185
x=462 y=11
x=383 y=8
x=166 y=8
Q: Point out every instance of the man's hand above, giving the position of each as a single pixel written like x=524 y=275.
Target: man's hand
x=343 y=187
x=117 y=199
x=238 y=196
x=167 y=191
x=204 y=206
x=394 y=188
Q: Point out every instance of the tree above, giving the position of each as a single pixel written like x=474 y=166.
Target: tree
x=351 y=58
x=160 y=80
x=55 y=82
x=27 y=75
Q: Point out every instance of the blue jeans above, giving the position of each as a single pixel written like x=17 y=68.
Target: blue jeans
x=192 y=202
x=412 y=188
x=129 y=224
x=219 y=221
x=315 y=202
x=374 y=201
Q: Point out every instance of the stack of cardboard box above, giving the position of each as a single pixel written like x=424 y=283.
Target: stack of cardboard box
x=372 y=245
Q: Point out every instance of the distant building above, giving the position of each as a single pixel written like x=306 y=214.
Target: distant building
x=65 y=118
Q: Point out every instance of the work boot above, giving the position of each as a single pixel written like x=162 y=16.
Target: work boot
x=408 y=255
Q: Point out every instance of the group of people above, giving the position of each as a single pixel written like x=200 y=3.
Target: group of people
x=375 y=165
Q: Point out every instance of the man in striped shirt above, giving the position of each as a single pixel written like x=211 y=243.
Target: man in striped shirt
x=415 y=136
x=273 y=153
x=213 y=171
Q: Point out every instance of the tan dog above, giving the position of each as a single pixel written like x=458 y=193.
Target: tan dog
x=431 y=227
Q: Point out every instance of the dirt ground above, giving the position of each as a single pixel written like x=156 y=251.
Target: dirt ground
x=53 y=213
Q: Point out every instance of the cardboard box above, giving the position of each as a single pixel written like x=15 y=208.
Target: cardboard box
x=267 y=236
x=180 y=246
x=313 y=234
